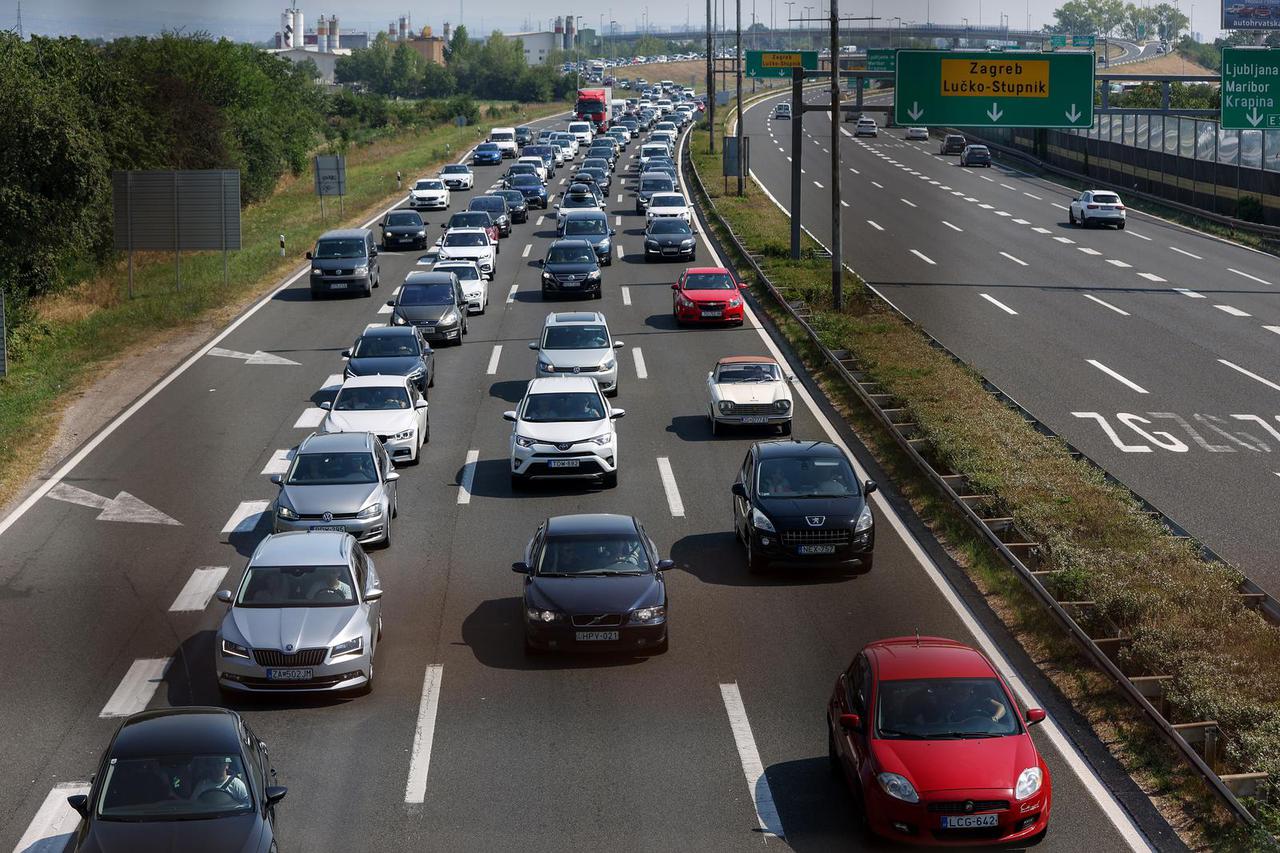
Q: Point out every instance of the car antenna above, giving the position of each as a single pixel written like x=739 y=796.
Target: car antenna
x=917 y=638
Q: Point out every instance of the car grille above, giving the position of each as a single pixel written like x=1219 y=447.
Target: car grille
x=958 y=806
x=712 y=306
x=303 y=657
x=753 y=408
x=597 y=620
x=337 y=516
x=592 y=369
x=818 y=536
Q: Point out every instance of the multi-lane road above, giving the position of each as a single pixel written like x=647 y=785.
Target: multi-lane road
x=1152 y=349
x=467 y=744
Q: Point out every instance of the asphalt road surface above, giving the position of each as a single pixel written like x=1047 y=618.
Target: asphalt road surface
x=1152 y=349
x=466 y=744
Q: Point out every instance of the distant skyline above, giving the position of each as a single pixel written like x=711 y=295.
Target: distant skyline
x=256 y=20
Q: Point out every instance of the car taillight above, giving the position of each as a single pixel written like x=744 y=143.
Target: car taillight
x=1119 y=207
x=1092 y=206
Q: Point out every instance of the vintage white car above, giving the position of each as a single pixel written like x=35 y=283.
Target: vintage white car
x=749 y=390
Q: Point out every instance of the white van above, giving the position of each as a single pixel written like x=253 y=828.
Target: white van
x=582 y=131
x=505 y=139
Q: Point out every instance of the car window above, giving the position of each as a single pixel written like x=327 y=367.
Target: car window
x=743 y=373
x=709 y=281
x=297 y=586
x=576 y=337
x=570 y=255
x=669 y=225
x=332 y=469
x=577 y=406
x=1106 y=198
x=465 y=272
x=453 y=239
x=404 y=219
x=373 y=398
x=665 y=200
x=383 y=346
x=655 y=184
x=174 y=787
x=593 y=554
x=745 y=473
x=353 y=247
x=361 y=562
x=806 y=477
x=943 y=708
x=578 y=227
x=436 y=293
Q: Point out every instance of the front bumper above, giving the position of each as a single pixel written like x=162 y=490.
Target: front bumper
x=698 y=314
x=437 y=203
x=564 y=637
x=921 y=823
x=457 y=183
x=363 y=529
x=245 y=675
x=858 y=551
x=475 y=300
x=670 y=251
x=419 y=240
x=581 y=461
x=439 y=334
x=339 y=283
x=607 y=379
x=577 y=288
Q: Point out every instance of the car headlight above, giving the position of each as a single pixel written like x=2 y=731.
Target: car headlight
x=371 y=511
x=725 y=407
x=686 y=244
x=760 y=521
x=609 y=364
x=421 y=234
x=317 y=271
x=546 y=366
x=685 y=302
x=450 y=317
x=782 y=406
x=897 y=787
x=416 y=374
x=601 y=439
x=649 y=615
x=651 y=244
x=235 y=650
x=350 y=647
x=1029 y=782
x=402 y=435
x=361 y=268
x=285 y=511
x=865 y=520
x=546 y=276
x=735 y=302
x=524 y=441
x=595 y=276
x=535 y=614
x=398 y=320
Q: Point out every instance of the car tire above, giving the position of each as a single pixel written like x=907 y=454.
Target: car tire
x=366 y=688
x=1120 y=226
x=613 y=393
x=785 y=428
x=532 y=651
x=833 y=759
x=610 y=479
x=868 y=563
x=663 y=647
x=386 y=537
x=431 y=383
x=1071 y=216
x=756 y=565
x=716 y=428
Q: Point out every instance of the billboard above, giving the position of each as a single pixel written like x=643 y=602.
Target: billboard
x=1258 y=15
x=176 y=211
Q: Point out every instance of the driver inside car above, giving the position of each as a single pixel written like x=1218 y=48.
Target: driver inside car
x=221 y=777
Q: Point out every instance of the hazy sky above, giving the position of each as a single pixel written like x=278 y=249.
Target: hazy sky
x=258 y=20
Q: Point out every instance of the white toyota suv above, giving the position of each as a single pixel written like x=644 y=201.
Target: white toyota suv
x=564 y=429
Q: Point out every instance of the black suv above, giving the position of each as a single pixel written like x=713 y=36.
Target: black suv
x=497 y=208
x=952 y=143
x=570 y=267
x=799 y=503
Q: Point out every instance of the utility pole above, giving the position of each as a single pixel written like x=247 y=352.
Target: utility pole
x=737 y=64
x=837 y=254
x=711 y=85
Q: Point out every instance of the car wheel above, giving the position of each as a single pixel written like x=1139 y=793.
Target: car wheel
x=1120 y=226
x=610 y=480
x=833 y=759
x=518 y=483
x=1071 y=216
x=431 y=383
x=664 y=646
x=612 y=393
x=366 y=688
x=530 y=650
x=785 y=428
x=386 y=537
x=756 y=564
x=716 y=428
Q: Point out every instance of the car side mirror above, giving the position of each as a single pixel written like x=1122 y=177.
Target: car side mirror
x=869 y=486
x=421 y=404
x=533 y=345
x=275 y=793
x=612 y=231
x=373 y=253
x=618 y=344
x=444 y=225
x=1036 y=716
x=326 y=405
x=742 y=285
x=509 y=416
x=614 y=414
x=556 y=206
x=520 y=568
x=276 y=479
x=738 y=490
x=308 y=256
x=346 y=353
x=851 y=722
x=664 y=565
x=224 y=595
x=80 y=803
x=372 y=594
x=542 y=262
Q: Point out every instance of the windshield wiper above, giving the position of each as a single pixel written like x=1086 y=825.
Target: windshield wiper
x=902 y=734
x=965 y=735
x=600 y=572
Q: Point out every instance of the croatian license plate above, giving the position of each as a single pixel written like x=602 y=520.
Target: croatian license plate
x=289 y=674
x=589 y=636
x=817 y=549
x=338 y=285
x=563 y=463
x=969 y=821
x=754 y=419
x=712 y=313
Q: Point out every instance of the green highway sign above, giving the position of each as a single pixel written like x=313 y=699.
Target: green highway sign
x=881 y=58
x=1063 y=40
x=778 y=63
x=967 y=88
x=1250 y=88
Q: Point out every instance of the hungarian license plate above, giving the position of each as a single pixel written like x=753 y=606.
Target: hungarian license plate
x=817 y=549
x=969 y=821
x=754 y=419
x=336 y=527
x=563 y=463
x=589 y=636
x=338 y=285
x=572 y=284
x=289 y=674
x=712 y=314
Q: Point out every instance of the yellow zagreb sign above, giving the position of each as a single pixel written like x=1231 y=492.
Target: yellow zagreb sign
x=781 y=60
x=996 y=77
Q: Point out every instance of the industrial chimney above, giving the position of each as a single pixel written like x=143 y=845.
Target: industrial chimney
x=446 y=30
x=570 y=33
x=334 y=37
x=557 y=40
x=322 y=35
x=299 y=40
x=404 y=28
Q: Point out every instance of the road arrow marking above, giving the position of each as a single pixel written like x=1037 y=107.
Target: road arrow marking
x=258 y=357
x=1073 y=114
x=123 y=507
x=915 y=112
x=995 y=112
x=1254 y=117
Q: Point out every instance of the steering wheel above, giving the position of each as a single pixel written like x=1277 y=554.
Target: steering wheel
x=216 y=796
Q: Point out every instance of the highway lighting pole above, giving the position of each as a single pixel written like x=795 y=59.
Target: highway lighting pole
x=737 y=63
x=791 y=36
x=837 y=254
x=711 y=85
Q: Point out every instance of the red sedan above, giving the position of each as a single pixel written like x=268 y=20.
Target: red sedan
x=933 y=745
x=707 y=295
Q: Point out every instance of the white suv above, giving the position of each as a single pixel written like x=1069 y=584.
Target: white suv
x=469 y=244
x=564 y=429
x=866 y=127
x=578 y=343
x=582 y=132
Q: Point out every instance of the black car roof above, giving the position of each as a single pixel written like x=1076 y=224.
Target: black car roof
x=587 y=523
x=178 y=731
x=784 y=448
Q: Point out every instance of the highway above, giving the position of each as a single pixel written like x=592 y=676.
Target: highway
x=1152 y=349
x=466 y=744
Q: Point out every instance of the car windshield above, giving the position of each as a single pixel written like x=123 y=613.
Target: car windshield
x=429 y=185
x=570 y=255
x=669 y=226
x=350 y=248
x=650 y=185
x=577 y=227
x=404 y=219
x=455 y=169
x=668 y=201
x=594 y=163
x=174 y=787
x=371 y=398
x=747 y=372
x=523 y=169
x=944 y=708
x=464 y=239
x=333 y=469
x=576 y=337
x=598 y=554
x=709 y=281
x=504 y=136
x=487 y=147
x=1106 y=198
x=526 y=181
x=806 y=477
x=464 y=272
x=555 y=408
x=297 y=586
x=473 y=219
x=514 y=197
x=435 y=293
x=580 y=200
x=386 y=346
x=489 y=203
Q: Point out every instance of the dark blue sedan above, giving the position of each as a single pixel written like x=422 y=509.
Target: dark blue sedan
x=529 y=186
x=487 y=154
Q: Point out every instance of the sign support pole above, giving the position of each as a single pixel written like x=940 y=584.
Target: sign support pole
x=742 y=119
x=711 y=87
x=797 y=152
x=128 y=196
x=837 y=254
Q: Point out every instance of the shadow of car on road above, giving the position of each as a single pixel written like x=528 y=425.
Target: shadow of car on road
x=718 y=558
x=494 y=631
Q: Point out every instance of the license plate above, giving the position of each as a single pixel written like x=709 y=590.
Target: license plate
x=754 y=419
x=817 y=549
x=969 y=821
x=289 y=674
x=589 y=636
x=572 y=283
x=563 y=463
x=338 y=285
x=712 y=313
x=330 y=527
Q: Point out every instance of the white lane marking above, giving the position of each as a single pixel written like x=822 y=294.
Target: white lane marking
x=511 y=296
x=874 y=224
x=1185 y=252
x=1003 y=213
x=334 y=380
x=1246 y=275
x=970 y=198
x=934 y=183
x=1233 y=311
x=642 y=372
x=752 y=767
x=1132 y=233
x=136 y=688
x=310 y=418
x=1018 y=261
x=985 y=178
x=1059 y=206
x=1040 y=230
x=877 y=185
x=1150 y=276
x=957 y=192
x=844 y=203
x=1009 y=187
x=1189 y=293
x=1250 y=374
x=908 y=203
x=669 y=486
x=946 y=188
x=1121 y=264
x=1275 y=329
x=952 y=227
x=468 y=476
x=246 y=517
x=617 y=220
x=51 y=829
x=621 y=252
x=1032 y=195
x=1106 y=305
x=619 y=199
x=985 y=206
x=385 y=309
x=528 y=247
x=996 y=302
x=922 y=257
x=1116 y=376
x=804 y=171
x=1066 y=241
x=539 y=222
x=818 y=185
x=626 y=295
x=1087 y=250
x=493 y=360
x=855 y=171
x=279 y=461
x=415 y=791
x=846 y=132
x=562 y=180
x=1021 y=222
x=199 y=589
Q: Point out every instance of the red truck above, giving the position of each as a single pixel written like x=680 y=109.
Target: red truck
x=593 y=106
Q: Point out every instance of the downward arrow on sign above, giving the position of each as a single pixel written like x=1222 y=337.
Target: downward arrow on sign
x=995 y=112
x=1073 y=115
x=123 y=507
x=1254 y=117
x=258 y=357
x=915 y=112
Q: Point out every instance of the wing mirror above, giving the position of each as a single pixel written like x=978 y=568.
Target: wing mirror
x=869 y=486
x=851 y=722
x=277 y=479
x=612 y=231
x=675 y=286
x=542 y=262
x=224 y=595
x=533 y=345
x=391 y=303
x=372 y=594
x=80 y=803
x=326 y=405
x=421 y=404
x=614 y=414
x=664 y=565
x=308 y=256
x=520 y=568
x=742 y=285
x=509 y=416
x=392 y=476
x=738 y=490
x=618 y=344
x=346 y=353
x=275 y=793
x=1036 y=716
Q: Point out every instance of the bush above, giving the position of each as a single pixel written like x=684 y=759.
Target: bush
x=1249 y=208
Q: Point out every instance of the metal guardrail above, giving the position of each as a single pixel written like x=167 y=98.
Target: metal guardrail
x=1000 y=532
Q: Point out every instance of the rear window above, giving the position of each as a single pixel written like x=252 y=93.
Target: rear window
x=655 y=185
x=502 y=137
x=1106 y=198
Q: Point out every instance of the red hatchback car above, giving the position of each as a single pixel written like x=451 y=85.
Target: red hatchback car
x=707 y=295
x=933 y=745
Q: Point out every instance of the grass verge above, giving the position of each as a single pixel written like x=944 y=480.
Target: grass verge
x=1184 y=618
x=79 y=330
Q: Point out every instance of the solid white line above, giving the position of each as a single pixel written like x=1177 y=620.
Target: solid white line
x=1107 y=305
x=1190 y=293
x=1121 y=264
x=1015 y=260
x=923 y=257
x=1250 y=374
x=279 y=461
x=136 y=688
x=199 y=589
x=1150 y=276
x=468 y=476
x=1116 y=376
x=874 y=224
x=752 y=767
x=953 y=227
x=626 y=295
x=51 y=829
x=669 y=486
x=528 y=247
x=493 y=360
x=310 y=418
x=511 y=296
x=1088 y=251
x=998 y=304
x=246 y=517
x=642 y=372
x=1185 y=252
x=1246 y=275
x=1032 y=195
x=908 y=203
x=1234 y=312
x=1132 y=233
x=1040 y=230
x=415 y=791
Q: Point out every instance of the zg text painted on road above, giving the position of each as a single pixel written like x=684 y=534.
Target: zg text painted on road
x=1215 y=434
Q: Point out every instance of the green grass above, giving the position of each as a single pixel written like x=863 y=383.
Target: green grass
x=77 y=331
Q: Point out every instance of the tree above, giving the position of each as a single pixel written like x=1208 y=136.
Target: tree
x=1170 y=21
x=1139 y=22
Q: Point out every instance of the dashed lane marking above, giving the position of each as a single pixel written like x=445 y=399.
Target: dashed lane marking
x=1273 y=386
x=669 y=486
x=528 y=247
x=247 y=515
x=874 y=224
x=493 y=360
x=468 y=476
x=279 y=461
x=415 y=790
x=55 y=822
x=1017 y=261
x=511 y=296
x=626 y=295
x=642 y=372
x=1121 y=264
x=1116 y=376
x=923 y=257
x=1105 y=304
x=952 y=227
x=136 y=688
x=1246 y=275
x=199 y=589
x=996 y=302
x=752 y=767
x=1189 y=293
x=1233 y=311
x=310 y=418
x=1185 y=252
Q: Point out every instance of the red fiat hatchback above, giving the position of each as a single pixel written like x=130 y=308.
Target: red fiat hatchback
x=928 y=736
x=707 y=295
